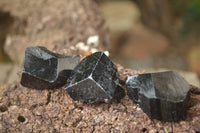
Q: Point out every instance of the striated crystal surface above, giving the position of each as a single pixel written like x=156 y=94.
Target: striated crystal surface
x=44 y=69
x=162 y=95
x=96 y=79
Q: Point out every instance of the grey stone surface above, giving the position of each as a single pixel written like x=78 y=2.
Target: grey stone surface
x=95 y=80
x=44 y=69
x=189 y=76
x=161 y=95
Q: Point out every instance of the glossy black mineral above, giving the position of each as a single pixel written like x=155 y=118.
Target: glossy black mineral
x=95 y=80
x=162 y=95
x=44 y=69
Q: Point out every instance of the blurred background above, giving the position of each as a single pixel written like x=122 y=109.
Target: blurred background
x=149 y=35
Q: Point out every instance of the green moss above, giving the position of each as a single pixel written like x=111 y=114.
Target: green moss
x=191 y=19
x=194 y=7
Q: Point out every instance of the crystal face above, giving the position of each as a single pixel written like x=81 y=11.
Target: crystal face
x=162 y=95
x=96 y=79
x=44 y=69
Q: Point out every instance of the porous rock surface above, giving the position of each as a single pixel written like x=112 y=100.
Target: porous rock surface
x=52 y=24
x=30 y=110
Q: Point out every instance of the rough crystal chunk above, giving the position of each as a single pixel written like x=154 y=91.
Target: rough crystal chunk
x=95 y=80
x=161 y=95
x=44 y=69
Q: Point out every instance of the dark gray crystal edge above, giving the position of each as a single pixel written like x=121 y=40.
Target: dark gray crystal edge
x=95 y=80
x=162 y=95
x=43 y=69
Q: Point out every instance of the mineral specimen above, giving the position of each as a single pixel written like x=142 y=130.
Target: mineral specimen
x=96 y=79
x=44 y=69
x=161 y=95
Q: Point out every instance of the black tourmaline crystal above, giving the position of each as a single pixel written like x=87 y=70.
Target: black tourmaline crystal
x=163 y=95
x=95 y=80
x=44 y=69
